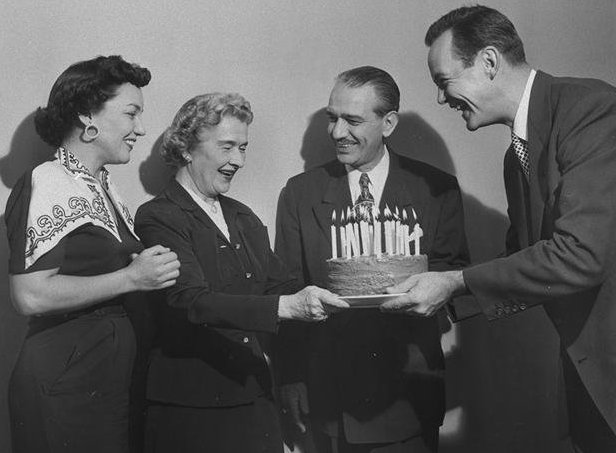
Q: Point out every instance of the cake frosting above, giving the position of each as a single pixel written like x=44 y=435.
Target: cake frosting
x=365 y=275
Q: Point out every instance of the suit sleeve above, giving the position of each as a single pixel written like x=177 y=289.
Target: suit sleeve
x=580 y=251
x=293 y=337
x=449 y=250
x=192 y=294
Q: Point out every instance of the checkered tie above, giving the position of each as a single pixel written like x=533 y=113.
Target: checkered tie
x=520 y=147
x=364 y=186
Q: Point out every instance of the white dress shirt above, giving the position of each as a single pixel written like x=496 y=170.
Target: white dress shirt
x=378 y=176
x=520 y=123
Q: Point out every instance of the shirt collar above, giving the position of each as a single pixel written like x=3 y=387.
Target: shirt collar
x=74 y=167
x=520 y=123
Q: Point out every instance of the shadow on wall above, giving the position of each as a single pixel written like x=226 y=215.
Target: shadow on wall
x=154 y=173
x=26 y=151
x=489 y=364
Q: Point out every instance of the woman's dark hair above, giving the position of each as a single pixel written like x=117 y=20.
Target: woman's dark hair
x=83 y=88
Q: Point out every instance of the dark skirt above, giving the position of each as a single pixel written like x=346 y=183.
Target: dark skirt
x=249 y=428
x=69 y=389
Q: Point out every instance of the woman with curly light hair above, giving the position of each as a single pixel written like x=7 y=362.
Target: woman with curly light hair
x=209 y=384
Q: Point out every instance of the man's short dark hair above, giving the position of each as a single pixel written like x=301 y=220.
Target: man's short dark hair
x=384 y=85
x=475 y=27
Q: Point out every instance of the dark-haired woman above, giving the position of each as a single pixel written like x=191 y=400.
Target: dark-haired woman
x=75 y=261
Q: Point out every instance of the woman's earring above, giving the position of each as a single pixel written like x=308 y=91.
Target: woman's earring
x=90 y=132
x=187 y=158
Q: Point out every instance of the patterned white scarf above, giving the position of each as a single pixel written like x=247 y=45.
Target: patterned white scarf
x=64 y=197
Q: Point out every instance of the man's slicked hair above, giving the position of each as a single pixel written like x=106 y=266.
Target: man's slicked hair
x=475 y=27
x=384 y=85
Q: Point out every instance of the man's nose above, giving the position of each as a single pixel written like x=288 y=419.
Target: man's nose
x=339 y=129
x=440 y=96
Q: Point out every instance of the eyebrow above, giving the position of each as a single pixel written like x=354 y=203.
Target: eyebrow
x=345 y=116
x=231 y=142
x=137 y=106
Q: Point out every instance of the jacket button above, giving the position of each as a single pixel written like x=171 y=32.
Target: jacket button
x=245 y=339
x=238 y=246
x=248 y=275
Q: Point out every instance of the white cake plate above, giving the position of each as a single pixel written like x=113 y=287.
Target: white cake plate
x=369 y=300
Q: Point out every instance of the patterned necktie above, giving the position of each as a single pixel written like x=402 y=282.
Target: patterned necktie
x=520 y=147
x=364 y=186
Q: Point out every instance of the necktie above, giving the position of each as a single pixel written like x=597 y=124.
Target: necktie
x=364 y=186
x=520 y=147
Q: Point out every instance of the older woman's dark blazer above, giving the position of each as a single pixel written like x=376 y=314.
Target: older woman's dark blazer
x=209 y=352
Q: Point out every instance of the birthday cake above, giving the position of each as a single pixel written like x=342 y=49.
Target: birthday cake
x=365 y=275
x=371 y=252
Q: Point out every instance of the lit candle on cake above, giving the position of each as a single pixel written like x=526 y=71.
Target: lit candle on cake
x=364 y=229
x=398 y=232
x=405 y=234
x=377 y=233
x=387 y=224
x=356 y=236
x=343 y=242
x=333 y=234
x=351 y=237
x=417 y=233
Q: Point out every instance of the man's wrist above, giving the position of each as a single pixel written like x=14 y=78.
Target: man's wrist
x=458 y=285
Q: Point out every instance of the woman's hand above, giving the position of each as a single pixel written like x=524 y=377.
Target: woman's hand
x=154 y=268
x=310 y=304
x=47 y=291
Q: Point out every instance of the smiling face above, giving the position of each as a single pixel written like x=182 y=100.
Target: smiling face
x=218 y=155
x=355 y=128
x=119 y=124
x=466 y=89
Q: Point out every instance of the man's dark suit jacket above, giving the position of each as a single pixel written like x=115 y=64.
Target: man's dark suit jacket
x=209 y=353
x=562 y=240
x=381 y=374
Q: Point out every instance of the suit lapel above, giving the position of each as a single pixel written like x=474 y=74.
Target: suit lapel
x=336 y=196
x=397 y=192
x=179 y=196
x=538 y=130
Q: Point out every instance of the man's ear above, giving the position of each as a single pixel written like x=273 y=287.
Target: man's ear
x=490 y=59
x=390 y=121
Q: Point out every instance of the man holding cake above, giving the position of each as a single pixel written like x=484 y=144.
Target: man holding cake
x=561 y=191
x=366 y=380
